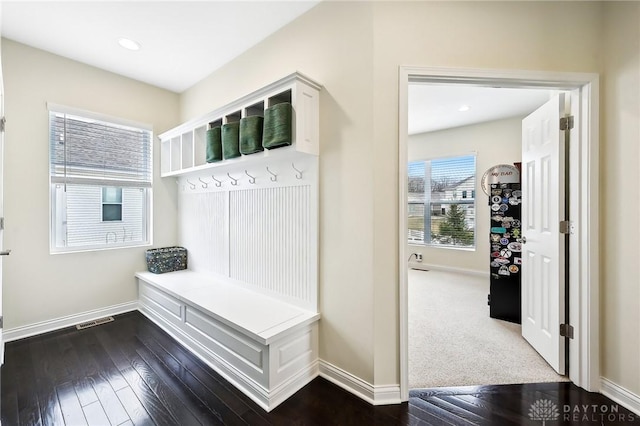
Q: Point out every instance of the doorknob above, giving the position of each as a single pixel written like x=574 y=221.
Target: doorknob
x=5 y=253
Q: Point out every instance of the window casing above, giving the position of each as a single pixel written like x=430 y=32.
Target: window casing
x=441 y=202
x=100 y=179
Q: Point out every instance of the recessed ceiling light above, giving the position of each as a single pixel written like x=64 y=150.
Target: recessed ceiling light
x=129 y=44
x=464 y=108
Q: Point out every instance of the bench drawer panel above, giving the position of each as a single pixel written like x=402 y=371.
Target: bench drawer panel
x=249 y=352
x=164 y=301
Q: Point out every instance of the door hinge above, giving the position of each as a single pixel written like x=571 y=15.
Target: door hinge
x=565 y=227
x=1 y=223
x=1 y=322
x=3 y=122
x=566 y=330
x=566 y=123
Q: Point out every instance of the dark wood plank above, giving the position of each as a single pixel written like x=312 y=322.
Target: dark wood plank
x=208 y=405
x=96 y=415
x=70 y=405
x=48 y=370
x=134 y=407
x=220 y=390
x=168 y=394
x=27 y=394
x=480 y=410
x=130 y=372
x=154 y=407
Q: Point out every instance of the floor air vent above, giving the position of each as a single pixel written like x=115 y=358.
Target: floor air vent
x=93 y=323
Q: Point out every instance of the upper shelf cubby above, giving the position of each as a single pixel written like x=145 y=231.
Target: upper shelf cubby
x=183 y=148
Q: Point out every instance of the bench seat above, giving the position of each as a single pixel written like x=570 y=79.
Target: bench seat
x=266 y=347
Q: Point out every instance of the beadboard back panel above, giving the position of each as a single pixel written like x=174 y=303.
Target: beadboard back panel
x=269 y=239
x=256 y=226
x=203 y=230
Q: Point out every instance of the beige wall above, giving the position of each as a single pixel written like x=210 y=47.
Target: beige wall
x=355 y=50
x=38 y=286
x=331 y=44
x=495 y=142
x=502 y=35
x=620 y=197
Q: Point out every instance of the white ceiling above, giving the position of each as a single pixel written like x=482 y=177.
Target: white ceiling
x=436 y=107
x=182 y=42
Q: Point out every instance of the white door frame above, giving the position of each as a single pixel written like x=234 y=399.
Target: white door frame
x=584 y=359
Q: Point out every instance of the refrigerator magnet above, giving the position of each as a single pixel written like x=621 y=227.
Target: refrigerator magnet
x=515 y=246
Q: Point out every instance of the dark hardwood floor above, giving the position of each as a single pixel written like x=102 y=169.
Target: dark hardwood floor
x=129 y=372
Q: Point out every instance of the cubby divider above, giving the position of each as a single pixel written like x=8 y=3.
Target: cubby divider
x=183 y=148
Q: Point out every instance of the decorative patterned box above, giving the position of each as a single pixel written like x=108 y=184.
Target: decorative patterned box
x=166 y=259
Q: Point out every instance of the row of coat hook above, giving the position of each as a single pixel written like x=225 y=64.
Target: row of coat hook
x=234 y=181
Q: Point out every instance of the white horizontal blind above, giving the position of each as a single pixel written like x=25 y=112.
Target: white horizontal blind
x=88 y=154
x=441 y=196
x=88 y=149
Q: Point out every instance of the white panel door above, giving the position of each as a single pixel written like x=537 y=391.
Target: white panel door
x=543 y=279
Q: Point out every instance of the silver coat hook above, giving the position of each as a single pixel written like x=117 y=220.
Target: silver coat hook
x=204 y=184
x=234 y=182
x=274 y=177
x=298 y=172
x=192 y=185
x=218 y=182
x=252 y=179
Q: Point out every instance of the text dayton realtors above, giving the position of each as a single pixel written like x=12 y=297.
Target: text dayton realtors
x=596 y=413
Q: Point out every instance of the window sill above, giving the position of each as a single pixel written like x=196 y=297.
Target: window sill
x=53 y=251
x=432 y=246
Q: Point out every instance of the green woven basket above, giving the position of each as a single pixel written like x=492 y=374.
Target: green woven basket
x=230 y=140
x=214 y=145
x=277 y=125
x=251 y=134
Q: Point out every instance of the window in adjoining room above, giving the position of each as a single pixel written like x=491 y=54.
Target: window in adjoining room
x=100 y=177
x=111 y=204
x=441 y=199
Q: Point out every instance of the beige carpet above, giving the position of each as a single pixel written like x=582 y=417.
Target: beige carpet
x=454 y=342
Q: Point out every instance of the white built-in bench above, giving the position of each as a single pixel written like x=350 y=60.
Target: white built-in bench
x=266 y=347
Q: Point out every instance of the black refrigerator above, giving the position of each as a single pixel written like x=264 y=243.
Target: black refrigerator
x=506 y=250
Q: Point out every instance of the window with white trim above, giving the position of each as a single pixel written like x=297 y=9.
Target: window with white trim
x=100 y=177
x=441 y=196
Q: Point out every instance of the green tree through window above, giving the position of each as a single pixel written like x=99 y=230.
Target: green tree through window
x=455 y=228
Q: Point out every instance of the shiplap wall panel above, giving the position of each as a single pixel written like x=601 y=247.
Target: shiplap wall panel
x=269 y=240
x=203 y=230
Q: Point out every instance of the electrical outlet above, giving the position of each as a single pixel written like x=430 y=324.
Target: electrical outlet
x=418 y=257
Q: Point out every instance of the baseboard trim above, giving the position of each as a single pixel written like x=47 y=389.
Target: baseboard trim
x=376 y=395
x=24 y=331
x=427 y=267
x=622 y=396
